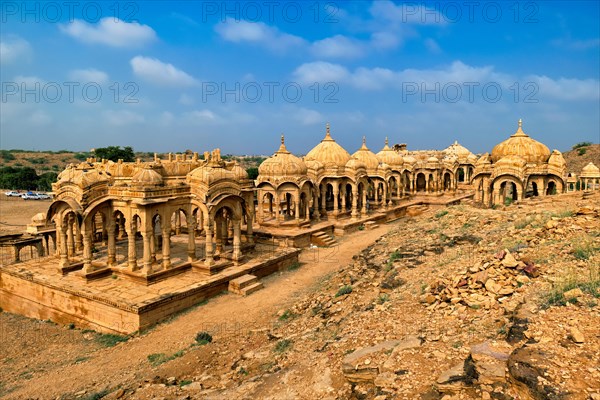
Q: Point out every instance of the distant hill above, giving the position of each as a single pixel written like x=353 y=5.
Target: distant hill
x=579 y=157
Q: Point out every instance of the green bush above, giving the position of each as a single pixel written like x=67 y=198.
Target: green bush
x=6 y=155
x=283 y=345
x=347 y=289
x=252 y=172
x=110 y=340
x=440 y=214
x=115 y=153
x=581 y=144
x=581 y=151
x=203 y=338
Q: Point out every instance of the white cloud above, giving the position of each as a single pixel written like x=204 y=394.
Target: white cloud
x=432 y=46
x=200 y=116
x=88 y=75
x=406 y=13
x=567 y=89
x=457 y=74
x=337 y=46
x=14 y=49
x=186 y=100
x=161 y=73
x=259 y=33
x=123 y=117
x=575 y=44
x=111 y=32
x=308 y=117
x=320 y=71
x=385 y=40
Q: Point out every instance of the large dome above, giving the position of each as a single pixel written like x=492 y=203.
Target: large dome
x=328 y=153
x=367 y=156
x=282 y=163
x=389 y=156
x=522 y=146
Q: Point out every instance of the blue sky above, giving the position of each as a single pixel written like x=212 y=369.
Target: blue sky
x=170 y=76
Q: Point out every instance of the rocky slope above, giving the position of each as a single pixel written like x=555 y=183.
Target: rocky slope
x=456 y=303
x=576 y=161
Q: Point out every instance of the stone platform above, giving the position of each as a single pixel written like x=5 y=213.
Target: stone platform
x=343 y=224
x=113 y=304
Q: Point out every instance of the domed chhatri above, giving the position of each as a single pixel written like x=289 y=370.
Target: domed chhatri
x=282 y=164
x=590 y=171
x=518 y=168
x=521 y=145
x=328 y=152
x=389 y=156
x=367 y=156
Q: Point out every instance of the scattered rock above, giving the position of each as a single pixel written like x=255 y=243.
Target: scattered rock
x=576 y=335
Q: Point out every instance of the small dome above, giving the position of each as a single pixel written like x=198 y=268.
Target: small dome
x=282 y=164
x=433 y=159
x=367 y=156
x=147 y=177
x=590 y=171
x=239 y=172
x=472 y=158
x=39 y=219
x=389 y=156
x=354 y=164
x=522 y=146
x=557 y=160
x=461 y=152
x=328 y=152
x=84 y=175
x=408 y=159
x=484 y=159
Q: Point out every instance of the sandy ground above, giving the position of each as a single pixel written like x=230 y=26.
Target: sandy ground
x=16 y=213
x=43 y=360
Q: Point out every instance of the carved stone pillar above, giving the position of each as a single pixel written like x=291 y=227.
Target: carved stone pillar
x=208 y=229
x=237 y=250
x=131 y=249
x=191 y=250
x=87 y=251
x=166 y=247
x=111 y=245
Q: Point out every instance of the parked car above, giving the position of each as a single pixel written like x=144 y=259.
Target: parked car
x=43 y=196
x=30 y=196
x=13 y=193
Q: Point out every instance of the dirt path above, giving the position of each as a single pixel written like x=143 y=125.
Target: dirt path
x=224 y=316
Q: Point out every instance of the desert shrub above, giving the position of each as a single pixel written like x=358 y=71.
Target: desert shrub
x=589 y=284
x=581 y=151
x=110 y=340
x=287 y=314
x=283 y=345
x=347 y=289
x=441 y=213
x=81 y=156
x=203 y=338
x=581 y=145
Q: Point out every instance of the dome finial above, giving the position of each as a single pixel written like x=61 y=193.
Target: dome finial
x=327 y=132
x=364 y=140
x=520 y=129
x=386 y=141
x=282 y=148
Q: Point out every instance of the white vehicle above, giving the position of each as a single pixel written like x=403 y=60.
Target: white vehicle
x=43 y=196
x=13 y=193
x=30 y=196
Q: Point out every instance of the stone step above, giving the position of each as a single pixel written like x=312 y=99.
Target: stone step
x=322 y=239
x=371 y=225
x=251 y=289
x=242 y=282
